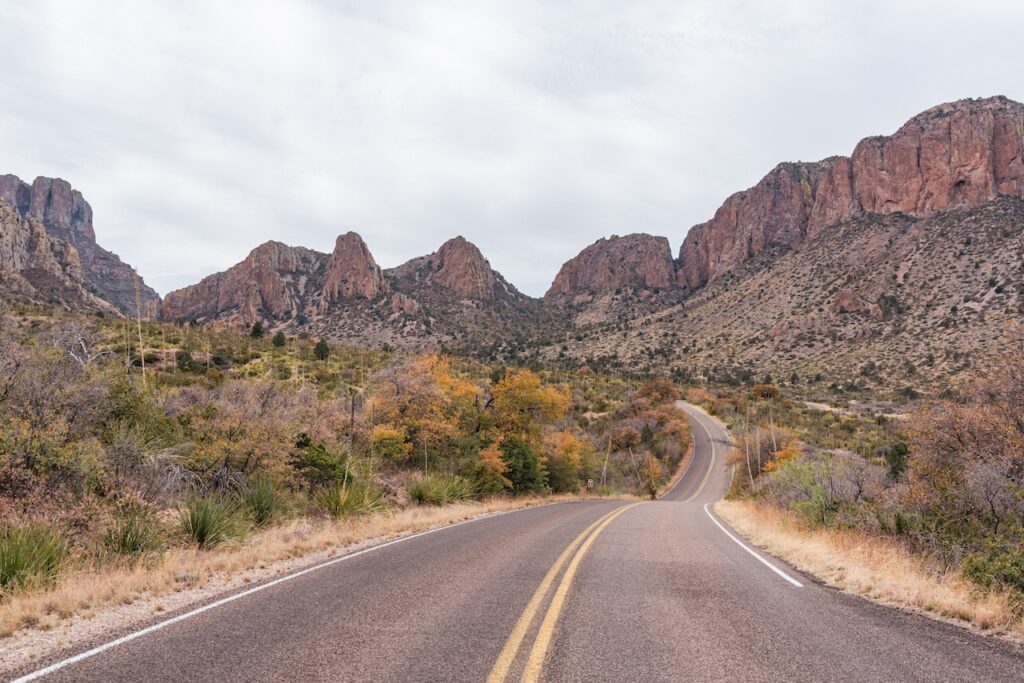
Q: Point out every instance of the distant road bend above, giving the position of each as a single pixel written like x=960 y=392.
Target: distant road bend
x=583 y=591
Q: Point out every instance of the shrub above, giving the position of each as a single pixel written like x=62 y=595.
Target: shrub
x=209 y=521
x=322 y=351
x=353 y=498
x=262 y=498
x=437 y=490
x=279 y=340
x=998 y=566
x=524 y=469
x=30 y=554
x=133 y=536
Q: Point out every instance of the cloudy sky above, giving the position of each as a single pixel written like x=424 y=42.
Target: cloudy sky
x=198 y=130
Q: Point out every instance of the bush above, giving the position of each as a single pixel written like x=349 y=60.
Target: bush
x=523 y=466
x=133 y=536
x=262 y=498
x=210 y=521
x=347 y=500
x=437 y=490
x=30 y=555
x=998 y=566
x=279 y=340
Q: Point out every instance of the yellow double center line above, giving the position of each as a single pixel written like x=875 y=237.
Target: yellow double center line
x=535 y=661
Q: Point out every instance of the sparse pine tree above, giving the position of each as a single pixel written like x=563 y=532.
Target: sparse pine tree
x=278 y=341
x=322 y=351
x=256 y=331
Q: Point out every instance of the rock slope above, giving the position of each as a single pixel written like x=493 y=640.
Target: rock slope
x=955 y=155
x=67 y=217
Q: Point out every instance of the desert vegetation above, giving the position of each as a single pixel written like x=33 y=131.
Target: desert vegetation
x=124 y=448
x=941 y=489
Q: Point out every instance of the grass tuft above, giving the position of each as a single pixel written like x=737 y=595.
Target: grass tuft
x=346 y=500
x=30 y=555
x=438 y=490
x=262 y=499
x=133 y=536
x=210 y=521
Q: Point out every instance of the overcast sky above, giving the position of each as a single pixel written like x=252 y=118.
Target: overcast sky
x=200 y=130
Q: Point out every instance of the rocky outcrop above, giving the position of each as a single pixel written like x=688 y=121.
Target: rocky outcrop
x=66 y=216
x=273 y=282
x=460 y=268
x=635 y=261
x=351 y=272
x=457 y=268
x=38 y=267
x=961 y=154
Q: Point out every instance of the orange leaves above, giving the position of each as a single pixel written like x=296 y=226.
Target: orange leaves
x=521 y=403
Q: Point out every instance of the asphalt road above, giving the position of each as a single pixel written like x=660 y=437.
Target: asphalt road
x=583 y=591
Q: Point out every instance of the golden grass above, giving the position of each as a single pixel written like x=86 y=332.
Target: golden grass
x=91 y=591
x=871 y=566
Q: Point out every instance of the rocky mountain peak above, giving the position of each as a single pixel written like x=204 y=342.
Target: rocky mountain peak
x=66 y=216
x=960 y=154
x=637 y=261
x=460 y=267
x=351 y=271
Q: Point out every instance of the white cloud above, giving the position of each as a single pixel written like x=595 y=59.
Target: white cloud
x=198 y=130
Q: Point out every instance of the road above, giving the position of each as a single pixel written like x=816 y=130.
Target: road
x=582 y=591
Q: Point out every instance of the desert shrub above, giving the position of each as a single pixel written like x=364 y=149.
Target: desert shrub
x=262 y=498
x=998 y=565
x=30 y=554
x=349 y=499
x=318 y=464
x=133 y=535
x=524 y=470
x=211 y=520
x=440 y=490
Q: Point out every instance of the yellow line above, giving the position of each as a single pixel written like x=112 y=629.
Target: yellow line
x=711 y=465
x=547 y=627
x=515 y=639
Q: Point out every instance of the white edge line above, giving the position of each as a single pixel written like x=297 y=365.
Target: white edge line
x=743 y=545
x=57 y=666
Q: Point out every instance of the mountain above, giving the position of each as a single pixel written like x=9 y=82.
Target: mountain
x=955 y=155
x=67 y=219
x=900 y=265
x=451 y=297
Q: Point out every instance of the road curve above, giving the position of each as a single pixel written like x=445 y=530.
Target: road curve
x=591 y=590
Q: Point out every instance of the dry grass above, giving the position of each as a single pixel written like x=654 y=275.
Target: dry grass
x=87 y=593
x=870 y=566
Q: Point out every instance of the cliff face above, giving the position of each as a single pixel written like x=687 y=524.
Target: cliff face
x=955 y=155
x=273 y=281
x=635 y=261
x=351 y=272
x=66 y=216
x=37 y=267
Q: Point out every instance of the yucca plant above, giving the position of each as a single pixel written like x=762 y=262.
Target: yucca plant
x=133 y=536
x=353 y=498
x=261 y=497
x=30 y=554
x=209 y=521
x=439 y=490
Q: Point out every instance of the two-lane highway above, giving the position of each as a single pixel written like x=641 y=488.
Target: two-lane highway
x=594 y=591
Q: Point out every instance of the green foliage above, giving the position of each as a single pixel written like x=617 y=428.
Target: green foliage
x=322 y=351
x=30 y=555
x=998 y=565
x=210 y=521
x=262 y=499
x=349 y=499
x=524 y=470
x=133 y=535
x=279 y=340
x=896 y=460
x=319 y=465
x=562 y=476
x=256 y=331
x=439 y=490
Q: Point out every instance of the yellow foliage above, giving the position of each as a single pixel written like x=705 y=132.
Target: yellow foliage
x=390 y=442
x=522 y=403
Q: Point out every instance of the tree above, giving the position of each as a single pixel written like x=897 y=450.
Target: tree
x=256 y=331
x=524 y=470
x=278 y=341
x=322 y=351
